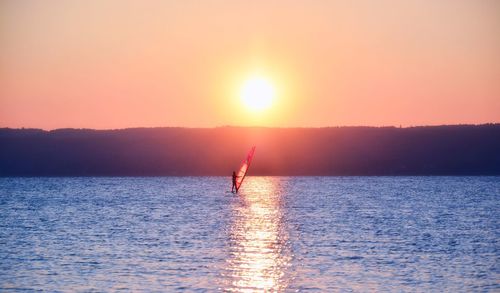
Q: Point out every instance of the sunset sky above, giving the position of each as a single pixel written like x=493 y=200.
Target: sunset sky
x=116 y=64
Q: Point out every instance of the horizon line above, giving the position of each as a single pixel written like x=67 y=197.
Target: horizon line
x=253 y=126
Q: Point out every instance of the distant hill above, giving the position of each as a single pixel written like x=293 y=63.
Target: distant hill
x=430 y=150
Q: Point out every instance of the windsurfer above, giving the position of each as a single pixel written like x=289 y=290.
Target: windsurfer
x=238 y=179
x=234 y=182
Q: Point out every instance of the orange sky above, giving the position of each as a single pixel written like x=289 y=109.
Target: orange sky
x=115 y=64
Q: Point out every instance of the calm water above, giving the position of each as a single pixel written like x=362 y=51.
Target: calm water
x=279 y=234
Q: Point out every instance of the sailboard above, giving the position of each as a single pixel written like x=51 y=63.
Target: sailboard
x=244 y=168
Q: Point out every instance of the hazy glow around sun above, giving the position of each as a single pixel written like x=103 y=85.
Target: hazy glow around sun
x=257 y=93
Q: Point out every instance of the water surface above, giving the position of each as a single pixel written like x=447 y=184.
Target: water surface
x=279 y=234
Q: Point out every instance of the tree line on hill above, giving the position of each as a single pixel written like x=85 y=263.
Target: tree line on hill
x=342 y=151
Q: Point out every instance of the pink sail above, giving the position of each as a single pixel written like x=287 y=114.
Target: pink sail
x=244 y=168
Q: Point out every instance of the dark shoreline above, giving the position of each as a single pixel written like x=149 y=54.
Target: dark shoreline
x=452 y=150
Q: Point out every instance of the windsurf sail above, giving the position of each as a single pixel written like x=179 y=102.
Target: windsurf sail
x=244 y=169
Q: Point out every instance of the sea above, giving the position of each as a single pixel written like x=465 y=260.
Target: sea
x=278 y=234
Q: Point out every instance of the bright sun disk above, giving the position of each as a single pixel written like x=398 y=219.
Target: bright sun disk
x=257 y=94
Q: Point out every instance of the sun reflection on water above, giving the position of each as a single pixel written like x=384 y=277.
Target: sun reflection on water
x=260 y=253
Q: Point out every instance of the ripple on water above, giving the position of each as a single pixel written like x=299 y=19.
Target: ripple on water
x=278 y=234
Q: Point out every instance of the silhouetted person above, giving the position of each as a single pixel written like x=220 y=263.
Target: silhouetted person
x=234 y=182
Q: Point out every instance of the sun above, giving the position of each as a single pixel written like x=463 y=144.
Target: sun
x=257 y=93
